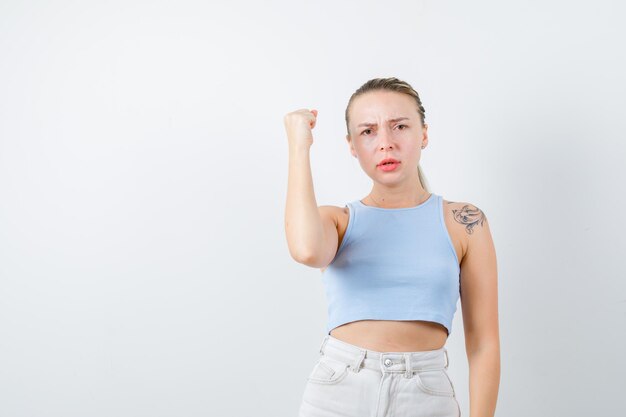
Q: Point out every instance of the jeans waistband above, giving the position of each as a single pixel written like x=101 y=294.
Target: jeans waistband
x=386 y=362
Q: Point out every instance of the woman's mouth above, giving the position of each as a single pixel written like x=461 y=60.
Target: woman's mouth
x=388 y=164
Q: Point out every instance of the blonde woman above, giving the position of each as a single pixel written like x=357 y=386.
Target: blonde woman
x=394 y=264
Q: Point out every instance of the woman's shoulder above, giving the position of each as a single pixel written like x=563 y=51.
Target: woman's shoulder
x=464 y=213
x=340 y=216
x=462 y=219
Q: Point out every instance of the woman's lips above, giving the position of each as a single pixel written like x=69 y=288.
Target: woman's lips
x=388 y=167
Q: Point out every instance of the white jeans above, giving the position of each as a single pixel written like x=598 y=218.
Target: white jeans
x=350 y=381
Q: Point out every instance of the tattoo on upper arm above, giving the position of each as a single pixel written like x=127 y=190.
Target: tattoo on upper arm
x=470 y=216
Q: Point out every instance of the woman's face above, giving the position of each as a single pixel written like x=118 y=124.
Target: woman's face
x=386 y=124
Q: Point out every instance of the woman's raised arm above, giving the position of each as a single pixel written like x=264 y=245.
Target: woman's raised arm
x=303 y=224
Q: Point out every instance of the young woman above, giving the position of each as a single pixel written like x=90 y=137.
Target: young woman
x=394 y=264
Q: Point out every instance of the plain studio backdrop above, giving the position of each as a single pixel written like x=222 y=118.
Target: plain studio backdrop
x=144 y=268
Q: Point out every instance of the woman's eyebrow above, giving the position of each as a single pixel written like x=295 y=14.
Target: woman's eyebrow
x=397 y=119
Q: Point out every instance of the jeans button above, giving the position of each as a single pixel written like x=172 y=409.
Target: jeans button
x=388 y=362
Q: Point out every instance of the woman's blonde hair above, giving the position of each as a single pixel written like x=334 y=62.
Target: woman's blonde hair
x=399 y=86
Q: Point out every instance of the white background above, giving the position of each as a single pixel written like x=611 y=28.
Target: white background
x=144 y=268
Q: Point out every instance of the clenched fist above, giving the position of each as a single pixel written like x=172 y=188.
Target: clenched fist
x=298 y=125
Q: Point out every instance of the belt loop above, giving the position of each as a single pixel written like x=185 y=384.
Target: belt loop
x=321 y=350
x=407 y=363
x=447 y=359
x=356 y=365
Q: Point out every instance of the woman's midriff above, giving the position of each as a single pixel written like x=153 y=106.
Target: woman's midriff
x=392 y=335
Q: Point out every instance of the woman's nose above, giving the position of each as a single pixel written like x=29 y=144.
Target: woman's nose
x=385 y=139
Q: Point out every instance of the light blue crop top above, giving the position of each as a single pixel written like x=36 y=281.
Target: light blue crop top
x=394 y=264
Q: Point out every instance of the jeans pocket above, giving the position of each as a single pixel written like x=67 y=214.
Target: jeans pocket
x=328 y=370
x=435 y=382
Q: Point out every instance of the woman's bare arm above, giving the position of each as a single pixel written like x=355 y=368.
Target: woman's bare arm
x=479 y=302
x=308 y=228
